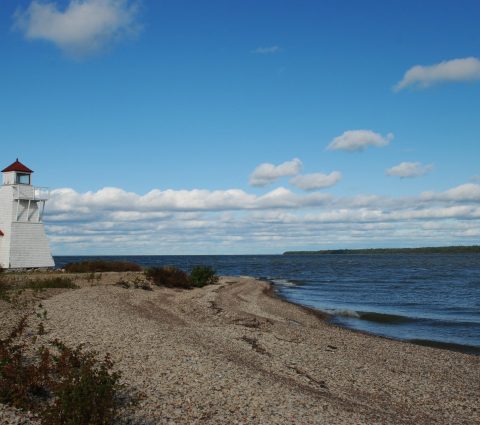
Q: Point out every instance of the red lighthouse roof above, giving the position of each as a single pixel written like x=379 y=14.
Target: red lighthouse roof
x=17 y=166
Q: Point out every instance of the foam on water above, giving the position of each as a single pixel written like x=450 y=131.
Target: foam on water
x=283 y=282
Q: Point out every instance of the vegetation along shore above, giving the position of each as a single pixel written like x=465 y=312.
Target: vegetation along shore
x=164 y=346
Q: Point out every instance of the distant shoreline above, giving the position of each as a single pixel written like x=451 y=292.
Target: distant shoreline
x=472 y=249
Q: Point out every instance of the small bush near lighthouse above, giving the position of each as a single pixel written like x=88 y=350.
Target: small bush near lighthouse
x=168 y=276
x=201 y=276
x=172 y=277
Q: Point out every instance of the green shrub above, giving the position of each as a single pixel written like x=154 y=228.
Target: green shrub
x=53 y=282
x=86 y=392
x=69 y=388
x=168 y=276
x=203 y=275
x=20 y=381
x=95 y=266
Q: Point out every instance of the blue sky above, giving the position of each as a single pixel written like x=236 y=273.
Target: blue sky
x=150 y=122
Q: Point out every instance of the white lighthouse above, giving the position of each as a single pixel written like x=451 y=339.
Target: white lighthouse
x=23 y=243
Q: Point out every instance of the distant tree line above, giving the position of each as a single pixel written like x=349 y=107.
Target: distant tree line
x=366 y=251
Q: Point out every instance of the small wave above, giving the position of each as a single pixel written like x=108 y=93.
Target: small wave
x=284 y=282
x=394 y=319
x=372 y=316
x=344 y=313
x=385 y=318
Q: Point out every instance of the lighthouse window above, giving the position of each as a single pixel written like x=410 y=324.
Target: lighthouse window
x=23 y=178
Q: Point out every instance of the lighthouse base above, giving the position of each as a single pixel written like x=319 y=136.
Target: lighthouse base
x=28 y=247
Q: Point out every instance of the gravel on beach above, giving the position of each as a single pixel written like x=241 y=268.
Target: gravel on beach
x=235 y=353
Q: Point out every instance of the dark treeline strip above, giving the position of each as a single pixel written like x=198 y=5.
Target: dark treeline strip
x=366 y=251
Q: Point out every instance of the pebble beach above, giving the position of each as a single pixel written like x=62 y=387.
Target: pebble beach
x=235 y=353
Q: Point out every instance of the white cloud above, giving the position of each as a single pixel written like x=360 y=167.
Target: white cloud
x=113 y=221
x=267 y=173
x=468 y=192
x=316 y=180
x=358 y=140
x=456 y=70
x=83 y=27
x=121 y=204
x=409 y=169
x=267 y=50
x=68 y=205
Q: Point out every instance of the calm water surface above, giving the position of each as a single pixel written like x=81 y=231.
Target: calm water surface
x=419 y=297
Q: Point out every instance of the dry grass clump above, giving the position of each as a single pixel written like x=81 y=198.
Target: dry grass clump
x=137 y=282
x=98 y=266
x=4 y=287
x=12 y=287
x=53 y=282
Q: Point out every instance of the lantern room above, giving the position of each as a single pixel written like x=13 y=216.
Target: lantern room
x=17 y=173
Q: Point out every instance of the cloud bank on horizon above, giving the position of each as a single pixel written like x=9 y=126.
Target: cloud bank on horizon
x=82 y=28
x=236 y=220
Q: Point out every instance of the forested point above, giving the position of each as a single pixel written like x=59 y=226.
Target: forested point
x=366 y=251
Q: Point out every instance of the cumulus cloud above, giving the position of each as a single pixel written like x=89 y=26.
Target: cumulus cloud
x=358 y=140
x=267 y=50
x=409 y=169
x=468 y=192
x=316 y=181
x=267 y=173
x=113 y=200
x=455 y=70
x=114 y=221
x=83 y=27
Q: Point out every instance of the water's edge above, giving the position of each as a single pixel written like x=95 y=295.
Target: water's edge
x=331 y=320
x=428 y=299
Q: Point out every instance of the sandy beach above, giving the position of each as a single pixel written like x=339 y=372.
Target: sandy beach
x=235 y=353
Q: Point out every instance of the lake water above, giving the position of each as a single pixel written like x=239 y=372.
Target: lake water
x=424 y=298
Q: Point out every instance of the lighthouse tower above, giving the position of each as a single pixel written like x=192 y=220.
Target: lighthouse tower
x=23 y=243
